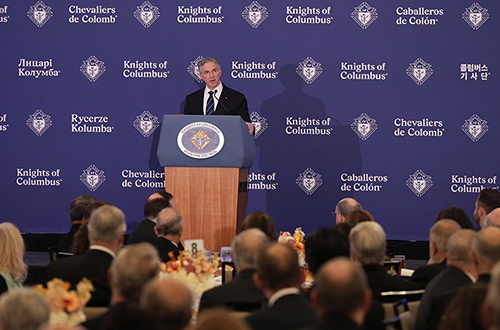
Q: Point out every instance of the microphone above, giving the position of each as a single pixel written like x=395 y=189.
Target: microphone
x=219 y=102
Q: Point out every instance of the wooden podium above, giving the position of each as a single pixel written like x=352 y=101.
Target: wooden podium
x=207 y=180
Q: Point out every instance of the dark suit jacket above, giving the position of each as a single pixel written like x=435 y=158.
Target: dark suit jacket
x=336 y=321
x=289 y=312
x=423 y=275
x=380 y=281
x=438 y=294
x=67 y=241
x=231 y=102
x=164 y=246
x=241 y=291
x=94 y=265
x=145 y=232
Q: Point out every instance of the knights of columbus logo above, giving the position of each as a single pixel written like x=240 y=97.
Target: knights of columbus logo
x=364 y=126
x=39 y=122
x=364 y=15
x=255 y=14
x=40 y=13
x=475 y=127
x=309 y=70
x=419 y=71
x=309 y=181
x=200 y=140
x=92 y=177
x=475 y=15
x=260 y=123
x=92 y=68
x=147 y=14
x=419 y=183
x=146 y=123
x=193 y=69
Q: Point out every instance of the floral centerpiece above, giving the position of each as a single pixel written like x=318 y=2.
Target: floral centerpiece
x=297 y=241
x=66 y=305
x=195 y=271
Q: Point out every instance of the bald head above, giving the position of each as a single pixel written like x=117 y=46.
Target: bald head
x=278 y=266
x=493 y=218
x=441 y=232
x=245 y=247
x=486 y=248
x=344 y=206
x=169 y=222
x=169 y=300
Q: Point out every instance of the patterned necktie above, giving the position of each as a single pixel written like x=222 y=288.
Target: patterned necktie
x=210 y=104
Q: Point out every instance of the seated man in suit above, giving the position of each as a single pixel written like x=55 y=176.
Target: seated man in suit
x=240 y=294
x=341 y=295
x=216 y=98
x=368 y=246
x=106 y=231
x=491 y=307
x=486 y=252
x=278 y=277
x=134 y=266
x=169 y=230
x=439 y=235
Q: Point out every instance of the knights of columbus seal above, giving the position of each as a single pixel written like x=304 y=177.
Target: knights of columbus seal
x=364 y=126
x=92 y=177
x=255 y=14
x=259 y=122
x=92 y=68
x=419 y=183
x=475 y=15
x=147 y=14
x=194 y=71
x=40 y=13
x=364 y=15
x=419 y=71
x=309 y=70
x=39 y=122
x=146 y=123
x=309 y=181
x=475 y=127
x=200 y=140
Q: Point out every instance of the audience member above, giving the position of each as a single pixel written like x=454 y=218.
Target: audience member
x=81 y=241
x=128 y=316
x=263 y=221
x=278 y=277
x=169 y=230
x=240 y=294
x=486 y=252
x=325 y=244
x=76 y=208
x=490 y=310
x=134 y=266
x=457 y=214
x=492 y=219
x=341 y=296
x=13 y=270
x=106 y=231
x=464 y=310
x=357 y=216
x=439 y=235
x=220 y=319
x=156 y=202
x=460 y=271
x=487 y=201
x=169 y=300
x=344 y=206
x=368 y=247
x=23 y=309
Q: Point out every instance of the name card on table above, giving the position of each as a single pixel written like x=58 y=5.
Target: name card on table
x=195 y=246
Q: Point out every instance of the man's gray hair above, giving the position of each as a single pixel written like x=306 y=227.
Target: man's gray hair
x=207 y=60
x=441 y=232
x=486 y=245
x=107 y=224
x=347 y=205
x=134 y=266
x=492 y=219
x=459 y=246
x=245 y=246
x=368 y=243
x=24 y=309
x=169 y=222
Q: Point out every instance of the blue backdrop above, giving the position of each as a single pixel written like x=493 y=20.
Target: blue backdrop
x=394 y=103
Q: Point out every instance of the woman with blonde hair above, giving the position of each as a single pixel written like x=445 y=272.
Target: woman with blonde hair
x=13 y=270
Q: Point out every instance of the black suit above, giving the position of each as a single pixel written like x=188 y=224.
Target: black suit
x=230 y=101
x=67 y=241
x=145 y=232
x=238 y=294
x=423 y=275
x=93 y=265
x=380 y=281
x=164 y=246
x=336 y=321
x=289 y=312
x=438 y=294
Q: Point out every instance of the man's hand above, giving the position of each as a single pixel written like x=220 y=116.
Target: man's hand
x=250 y=128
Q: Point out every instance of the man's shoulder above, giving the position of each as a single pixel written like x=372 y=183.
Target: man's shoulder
x=231 y=91
x=195 y=93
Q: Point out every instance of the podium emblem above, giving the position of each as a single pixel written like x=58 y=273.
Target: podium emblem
x=200 y=140
x=39 y=122
x=419 y=183
x=475 y=127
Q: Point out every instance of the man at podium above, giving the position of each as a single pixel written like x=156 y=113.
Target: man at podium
x=216 y=98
